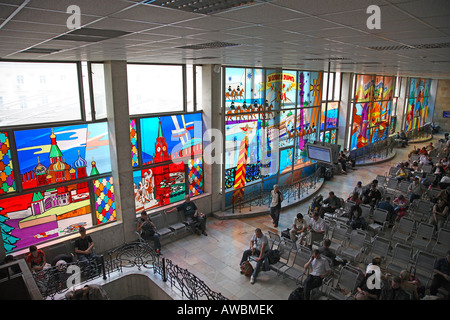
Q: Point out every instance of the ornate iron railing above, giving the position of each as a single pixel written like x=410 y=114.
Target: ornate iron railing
x=134 y=255
x=59 y=279
x=189 y=285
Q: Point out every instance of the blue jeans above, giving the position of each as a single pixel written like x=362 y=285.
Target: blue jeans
x=154 y=238
x=84 y=259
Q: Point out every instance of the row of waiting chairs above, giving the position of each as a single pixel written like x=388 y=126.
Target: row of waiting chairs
x=168 y=224
x=292 y=258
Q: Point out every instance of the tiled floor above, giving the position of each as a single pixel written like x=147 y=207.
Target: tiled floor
x=215 y=258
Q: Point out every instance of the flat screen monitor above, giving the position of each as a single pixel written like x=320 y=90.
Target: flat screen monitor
x=319 y=153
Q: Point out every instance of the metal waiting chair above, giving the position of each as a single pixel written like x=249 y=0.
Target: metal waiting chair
x=379 y=247
x=174 y=222
x=297 y=270
x=340 y=234
x=401 y=259
x=420 y=209
x=285 y=258
x=346 y=284
x=423 y=238
x=274 y=240
x=423 y=267
x=403 y=230
x=442 y=244
x=379 y=220
x=355 y=247
x=162 y=228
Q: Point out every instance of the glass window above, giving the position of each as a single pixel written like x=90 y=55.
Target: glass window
x=98 y=88
x=26 y=100
x=155 y=88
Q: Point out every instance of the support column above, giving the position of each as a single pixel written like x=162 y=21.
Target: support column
x=213 y=119
x=345 y=110
x=401 y=104
x=120 y=148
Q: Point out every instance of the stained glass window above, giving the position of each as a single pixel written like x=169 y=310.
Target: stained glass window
x=59 y=154
x=372 y=106
x=264 y=139
x=105 y=206
x=42 y=215
x=171 y=148
x=7 y=183
x=417 y=108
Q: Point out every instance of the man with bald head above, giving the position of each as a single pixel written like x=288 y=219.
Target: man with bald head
x=195 y=219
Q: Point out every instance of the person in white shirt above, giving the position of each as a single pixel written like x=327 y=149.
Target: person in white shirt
x=315 y=230
x=259 y=245
x=320 y=270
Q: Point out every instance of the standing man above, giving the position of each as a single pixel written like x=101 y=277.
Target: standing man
x=275 y=205
x=259 y=245
x=320 y=270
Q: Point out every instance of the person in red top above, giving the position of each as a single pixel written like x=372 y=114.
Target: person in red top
x=35 y=259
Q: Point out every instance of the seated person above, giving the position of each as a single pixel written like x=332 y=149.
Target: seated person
x=298 y=231
x=320 y=269
x=332 y=203
x=315 y=230
x=400 y=206
x=325 y=251
x=147 y=230
x=386 y=205
x=358 y=188
x=84 y=247
x=355 y=220
x=441 y=276
x=371 y=196
x=259 y=245
x=416 y=189
x=342 y=159
x=36 y=259
x=355 y=198
x=439 y=214
x=193 y=217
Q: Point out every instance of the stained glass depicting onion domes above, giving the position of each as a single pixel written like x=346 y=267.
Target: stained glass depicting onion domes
x=7 y=182
x=44 y=215
x=59 y=154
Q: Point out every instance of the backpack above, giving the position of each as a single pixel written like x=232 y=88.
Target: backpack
x=285 y=233
x=297 y=294
x=328 y=174
x=246 y=268
x=274 y=256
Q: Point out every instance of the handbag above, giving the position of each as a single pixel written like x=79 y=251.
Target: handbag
x=285 y=233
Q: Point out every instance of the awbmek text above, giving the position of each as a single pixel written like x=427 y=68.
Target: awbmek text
x=241 y=309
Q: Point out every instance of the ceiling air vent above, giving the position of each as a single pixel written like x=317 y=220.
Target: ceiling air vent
x=91 y=35
x=202 y=6
x=209 y=45
x=412 y=46
x=40 y=50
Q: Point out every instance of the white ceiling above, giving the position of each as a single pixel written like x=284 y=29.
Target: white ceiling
x=290 y=34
